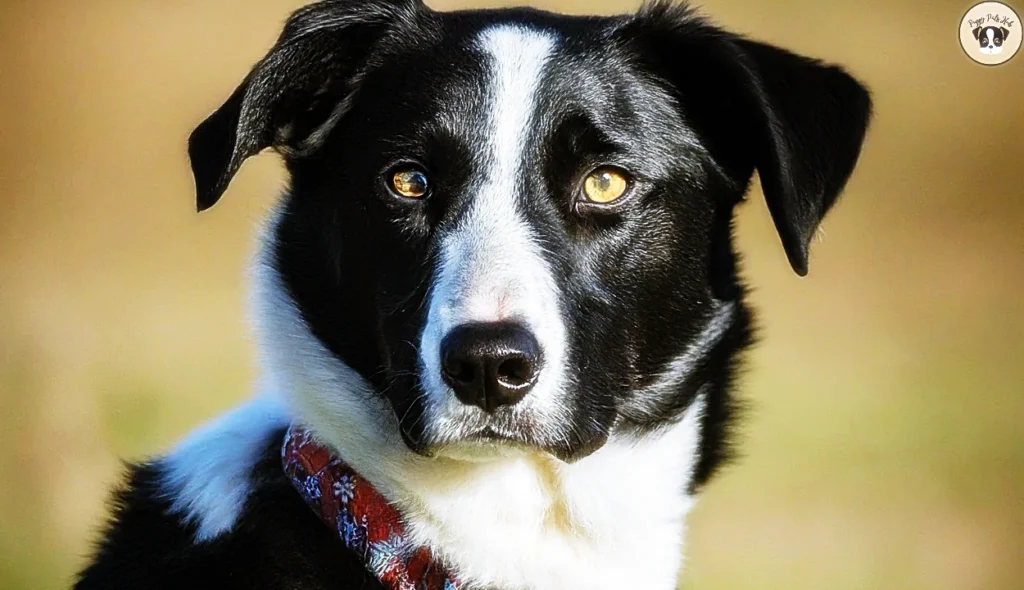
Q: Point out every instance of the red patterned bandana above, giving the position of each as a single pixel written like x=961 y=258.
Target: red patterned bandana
x=363 y=519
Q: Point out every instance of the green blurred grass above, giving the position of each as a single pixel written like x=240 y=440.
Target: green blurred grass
x=883 y=447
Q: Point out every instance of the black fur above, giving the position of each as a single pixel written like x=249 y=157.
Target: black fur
x=354 y=88
x=277 y=542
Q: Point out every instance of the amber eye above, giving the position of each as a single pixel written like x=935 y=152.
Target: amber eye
x=605 y=185
x=410 y=183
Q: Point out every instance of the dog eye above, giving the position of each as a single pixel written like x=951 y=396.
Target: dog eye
x=410 y=183
x=605 y=185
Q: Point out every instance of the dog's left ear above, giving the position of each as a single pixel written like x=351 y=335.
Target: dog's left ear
x=798 y=121
x=808 y=123
x=1005 y=32
x=977 y=32
x=295 y=94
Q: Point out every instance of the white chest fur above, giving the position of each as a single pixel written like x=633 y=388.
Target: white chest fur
x=611 y=520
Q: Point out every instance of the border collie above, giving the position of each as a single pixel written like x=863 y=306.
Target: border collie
x=498 y=307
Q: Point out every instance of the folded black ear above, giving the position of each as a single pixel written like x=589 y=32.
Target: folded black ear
x=1005 y=32
x=799 y=122
x=296 y=93
x=977 y=32
x=809 y=124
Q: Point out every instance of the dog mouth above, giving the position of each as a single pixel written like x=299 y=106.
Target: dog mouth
x=490 y=442
x=466 y=427
x=474 y=435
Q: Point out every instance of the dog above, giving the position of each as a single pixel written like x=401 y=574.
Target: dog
x=498 y=308
x=990 y=39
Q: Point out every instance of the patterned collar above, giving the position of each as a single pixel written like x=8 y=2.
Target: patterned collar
x=363 y=519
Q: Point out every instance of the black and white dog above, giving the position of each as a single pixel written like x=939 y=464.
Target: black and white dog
x=990 y=39
x=501 y=291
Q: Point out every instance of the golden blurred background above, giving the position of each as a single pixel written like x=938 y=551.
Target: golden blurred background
x=885 y=443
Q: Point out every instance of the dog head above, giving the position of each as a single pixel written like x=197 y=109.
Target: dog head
x=990 y=39
x=512 y=227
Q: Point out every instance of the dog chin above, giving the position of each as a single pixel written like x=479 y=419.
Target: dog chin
x=499 y=439
x=991 y=50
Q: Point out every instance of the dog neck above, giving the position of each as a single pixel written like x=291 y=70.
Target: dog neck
x=532 y=521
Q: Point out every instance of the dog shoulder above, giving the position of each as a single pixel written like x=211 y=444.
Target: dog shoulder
x=218 y=512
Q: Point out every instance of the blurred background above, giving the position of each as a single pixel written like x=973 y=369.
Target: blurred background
x=884 y=447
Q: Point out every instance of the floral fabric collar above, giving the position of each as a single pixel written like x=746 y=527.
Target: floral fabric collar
x=366 y=523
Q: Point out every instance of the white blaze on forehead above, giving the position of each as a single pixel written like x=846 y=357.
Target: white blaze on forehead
x=491 y=266
x=517 y=60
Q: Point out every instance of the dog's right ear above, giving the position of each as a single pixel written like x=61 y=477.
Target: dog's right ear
x=296 y=93
x=1005 y=32
x=977 y=32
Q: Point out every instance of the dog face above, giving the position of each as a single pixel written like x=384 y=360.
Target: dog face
x=990 y=39
x=514 y=226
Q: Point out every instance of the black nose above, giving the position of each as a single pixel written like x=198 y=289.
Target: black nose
x=490 y=364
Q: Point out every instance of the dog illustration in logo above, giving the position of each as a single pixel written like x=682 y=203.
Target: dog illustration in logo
x=991 y=39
